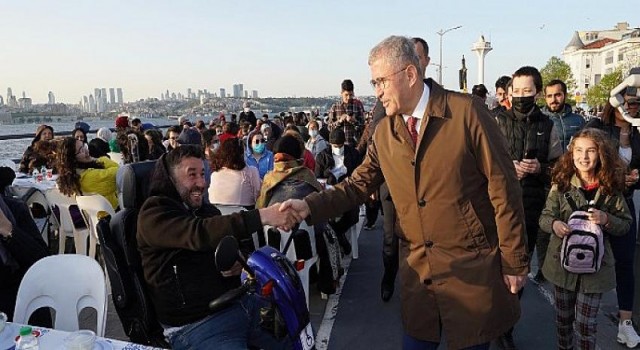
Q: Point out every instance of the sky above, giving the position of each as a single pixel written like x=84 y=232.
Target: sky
x=280 y=47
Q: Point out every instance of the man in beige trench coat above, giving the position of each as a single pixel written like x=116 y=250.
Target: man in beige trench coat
x=462 y=246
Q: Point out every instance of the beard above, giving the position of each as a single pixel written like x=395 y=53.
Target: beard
x=191 y=196
x=556 y=107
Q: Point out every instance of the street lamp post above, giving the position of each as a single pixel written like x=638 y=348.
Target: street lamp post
x=442 y=33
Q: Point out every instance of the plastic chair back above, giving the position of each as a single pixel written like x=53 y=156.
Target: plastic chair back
x=67 y=283
x=66 y=226
x=230 y=209
x=90 y=206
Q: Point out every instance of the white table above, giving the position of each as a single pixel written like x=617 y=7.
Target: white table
x=27 y=182
x=54 y=339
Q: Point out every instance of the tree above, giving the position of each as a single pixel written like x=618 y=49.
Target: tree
x=556 y=68
x=598 y=94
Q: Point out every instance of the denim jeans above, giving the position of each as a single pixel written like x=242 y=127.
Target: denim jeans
x=235 y=327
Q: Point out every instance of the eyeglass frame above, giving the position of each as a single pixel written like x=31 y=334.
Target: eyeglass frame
x=383 y=80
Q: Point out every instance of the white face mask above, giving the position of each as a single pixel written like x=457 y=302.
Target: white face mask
x=246 y=109
x=313 y=133
x=338 y=151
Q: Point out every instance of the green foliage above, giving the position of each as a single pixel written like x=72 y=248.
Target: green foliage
x=598 y=94
x=556 y=68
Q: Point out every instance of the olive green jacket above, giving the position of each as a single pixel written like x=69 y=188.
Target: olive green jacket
x=557 y=208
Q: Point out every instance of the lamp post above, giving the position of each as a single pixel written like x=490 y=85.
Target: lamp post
x=442 y=33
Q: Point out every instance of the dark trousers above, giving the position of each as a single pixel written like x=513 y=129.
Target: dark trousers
x=372 y=208
x=623 y=248
x=389 y=237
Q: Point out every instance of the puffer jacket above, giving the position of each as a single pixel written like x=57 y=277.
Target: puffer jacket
x=264 y=164
x=567 y=123
x=557 y=208
x=176 y=245
x=101 y=181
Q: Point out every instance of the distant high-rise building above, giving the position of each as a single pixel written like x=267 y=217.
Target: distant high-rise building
x=120 y=99
x=86 y=107
x=24 y=102
x=189 y=93
x=112 y=96
x=104 y=97
x=24 y=94
x=254 y=94
x=237 y=90
x=92 y=104
x=52 y=98
x=162 y=96
x=9 y=94
x=223 y=93
x=1 y=101
x=246 y=94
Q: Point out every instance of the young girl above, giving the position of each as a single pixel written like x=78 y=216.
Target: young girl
x=590 y=169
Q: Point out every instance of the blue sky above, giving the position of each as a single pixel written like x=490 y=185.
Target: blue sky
x=280 y=48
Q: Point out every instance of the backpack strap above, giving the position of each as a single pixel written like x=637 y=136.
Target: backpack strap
x=599 y=202
x=571 y=202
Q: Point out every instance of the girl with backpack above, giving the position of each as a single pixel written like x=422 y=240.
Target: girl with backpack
x=590 y=172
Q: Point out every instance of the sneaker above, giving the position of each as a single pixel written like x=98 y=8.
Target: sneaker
x=627 y=334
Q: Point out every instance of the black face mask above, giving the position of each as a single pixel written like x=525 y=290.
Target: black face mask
x=523 y=105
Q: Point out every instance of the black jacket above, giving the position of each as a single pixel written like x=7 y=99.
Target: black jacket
x=177 y=245
x=324 y=164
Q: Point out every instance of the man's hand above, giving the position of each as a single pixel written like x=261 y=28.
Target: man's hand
x=5 y=225
x=274 y=216
x=298 y=207
x=235 y=270
x=530 y=166
x=514 y=283
x=520 y=172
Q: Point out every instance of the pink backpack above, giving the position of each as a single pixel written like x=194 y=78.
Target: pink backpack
x=582 y=249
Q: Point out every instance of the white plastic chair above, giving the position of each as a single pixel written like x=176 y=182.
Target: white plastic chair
x=90 y=206
x=66 y=226
x=67 y=283
x=354 y=234
x=226 y=209
x=292 y=255
x=116 y=157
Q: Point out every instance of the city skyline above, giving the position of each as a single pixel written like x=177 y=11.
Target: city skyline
x=279 y=49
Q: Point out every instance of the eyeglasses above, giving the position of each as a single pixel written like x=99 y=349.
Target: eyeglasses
x=382 y=81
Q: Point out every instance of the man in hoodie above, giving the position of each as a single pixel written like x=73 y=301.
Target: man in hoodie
x=566 y=122
x=177 y=236
x=247 y=115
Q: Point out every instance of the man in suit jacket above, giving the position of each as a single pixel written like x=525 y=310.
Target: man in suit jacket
x=462 y=251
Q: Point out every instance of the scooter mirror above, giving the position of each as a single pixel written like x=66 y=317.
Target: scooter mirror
x=226 y=253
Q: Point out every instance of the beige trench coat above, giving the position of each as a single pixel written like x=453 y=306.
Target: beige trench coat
x=460 y=210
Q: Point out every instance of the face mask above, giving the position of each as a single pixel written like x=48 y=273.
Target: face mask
x=246 y=110
x=338 y=151
x=313 y=133
x=523 y=105
x=259 y=148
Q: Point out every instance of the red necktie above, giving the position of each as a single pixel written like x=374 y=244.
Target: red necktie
x=411 y=126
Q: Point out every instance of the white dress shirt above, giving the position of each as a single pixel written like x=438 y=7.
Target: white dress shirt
x=418 y=112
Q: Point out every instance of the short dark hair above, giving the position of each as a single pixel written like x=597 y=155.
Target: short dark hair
x=207 y=137
x=555 y=82
x=503 y=82
x=347 y=85
x=528 y=71
x=424 y=44
x=479 y=90
x=290 y=145
x=176 y=155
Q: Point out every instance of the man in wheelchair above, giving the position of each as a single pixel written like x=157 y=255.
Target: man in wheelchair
x=177 y=235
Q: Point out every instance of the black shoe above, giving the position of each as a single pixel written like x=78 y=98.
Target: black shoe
x=386 y=292
x=506 y=342
x=344 y=244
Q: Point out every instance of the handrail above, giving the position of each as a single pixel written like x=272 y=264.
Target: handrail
x=61 y=133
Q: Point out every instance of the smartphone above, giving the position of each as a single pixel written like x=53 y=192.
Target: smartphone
x=531 y=153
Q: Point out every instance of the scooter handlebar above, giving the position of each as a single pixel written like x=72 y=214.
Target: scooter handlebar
x=225 y=299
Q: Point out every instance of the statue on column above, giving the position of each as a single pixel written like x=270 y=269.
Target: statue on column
x=463 y=76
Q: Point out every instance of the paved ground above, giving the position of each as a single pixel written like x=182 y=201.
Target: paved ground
x=356 y=318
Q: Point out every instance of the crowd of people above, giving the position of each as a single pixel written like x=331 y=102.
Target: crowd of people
x=469 y=192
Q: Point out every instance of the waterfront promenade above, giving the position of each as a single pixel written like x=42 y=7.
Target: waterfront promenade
x=356 y=318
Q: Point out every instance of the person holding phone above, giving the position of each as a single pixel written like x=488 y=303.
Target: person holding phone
x=533 y=144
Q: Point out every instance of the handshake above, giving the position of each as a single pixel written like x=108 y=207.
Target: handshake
x=285 y=215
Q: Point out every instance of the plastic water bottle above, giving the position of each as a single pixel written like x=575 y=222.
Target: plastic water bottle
x=27 y=341
x=36 y=175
